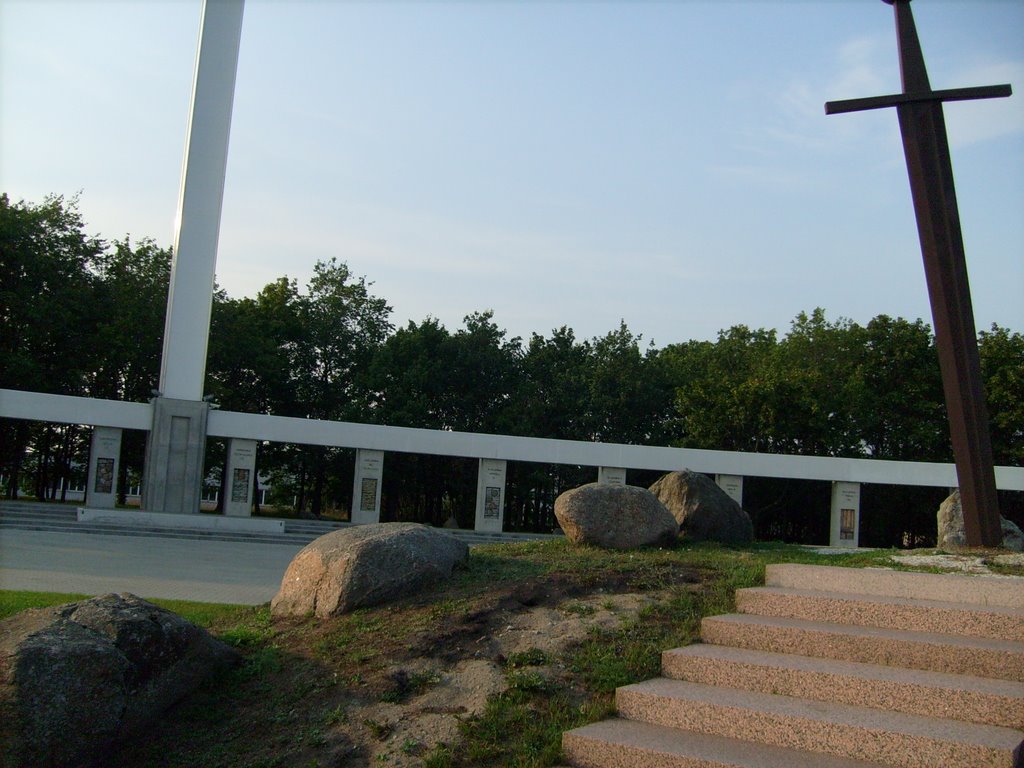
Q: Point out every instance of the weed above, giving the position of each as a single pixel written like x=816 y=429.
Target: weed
x=534 y=657
x=528 y=680
x=411 y=747
x=380 y=731
x=336 y=715
x=406 y=685
x=261 y=662
x=440 y=756
x=580 y=609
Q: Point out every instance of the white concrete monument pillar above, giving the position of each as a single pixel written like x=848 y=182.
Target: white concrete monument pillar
x=104 y=463
x=732 y=485
x=845 y=527
x=366 y=486
x=175 y=448
x=611 y=475
x=490 y=496
x=241 y=479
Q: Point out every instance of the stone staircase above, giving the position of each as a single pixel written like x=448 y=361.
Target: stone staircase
x=836 y=668
x=42 y=516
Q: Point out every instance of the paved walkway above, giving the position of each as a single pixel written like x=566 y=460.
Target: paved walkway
x=241 y=573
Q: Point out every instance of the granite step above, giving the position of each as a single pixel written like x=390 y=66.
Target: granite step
x=996 y=622
x=933 y=694
x=620 y=743
x=943 y=587
x=841 y=730
x=935 y=652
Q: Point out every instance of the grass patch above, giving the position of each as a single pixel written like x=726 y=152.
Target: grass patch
x=15 y=601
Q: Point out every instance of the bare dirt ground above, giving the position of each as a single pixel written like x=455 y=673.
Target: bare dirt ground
x=467 y=667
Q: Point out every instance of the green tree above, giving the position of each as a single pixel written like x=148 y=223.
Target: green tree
x=629 y=400
x=252 y=343
x=341 y=326
x=724 y=400
x=131 y=287
x=556 y=397
x=898 y=406
x=1002 y=366
x=48 y=313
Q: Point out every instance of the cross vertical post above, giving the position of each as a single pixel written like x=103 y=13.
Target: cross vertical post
x=930 y=169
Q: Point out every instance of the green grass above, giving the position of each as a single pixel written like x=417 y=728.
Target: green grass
x=15 y=601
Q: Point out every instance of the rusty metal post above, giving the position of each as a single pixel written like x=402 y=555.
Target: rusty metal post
x=926 y=147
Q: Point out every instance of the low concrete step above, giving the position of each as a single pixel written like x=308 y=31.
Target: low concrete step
x=166 y=533
x=997 y=622
x=861 y=733
x=628 y=744
x=932 y=694
x=50 y=512
x=943 y=587
x=954 y=654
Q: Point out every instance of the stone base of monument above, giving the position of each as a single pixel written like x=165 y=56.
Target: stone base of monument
x=168 y=520
x=834 y=668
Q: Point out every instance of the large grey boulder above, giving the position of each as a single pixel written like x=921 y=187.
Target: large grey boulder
x=615 y=516
x=703 y=510
x=365 y=565
x=77 y=679
x=953 y=536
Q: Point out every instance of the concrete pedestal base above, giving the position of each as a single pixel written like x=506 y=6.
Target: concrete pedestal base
x=173 y=480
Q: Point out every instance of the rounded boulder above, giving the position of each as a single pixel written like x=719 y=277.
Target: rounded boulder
x=703 y=510
x=615 y=516
x=365 y=565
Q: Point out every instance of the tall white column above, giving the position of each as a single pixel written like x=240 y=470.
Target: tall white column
x=200 y=198
x=175 y=446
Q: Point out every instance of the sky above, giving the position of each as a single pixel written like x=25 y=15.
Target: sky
x=581 y=163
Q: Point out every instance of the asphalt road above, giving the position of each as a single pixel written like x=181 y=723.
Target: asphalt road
x=206 y=571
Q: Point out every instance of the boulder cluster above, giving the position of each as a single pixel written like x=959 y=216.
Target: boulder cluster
x=687 y=504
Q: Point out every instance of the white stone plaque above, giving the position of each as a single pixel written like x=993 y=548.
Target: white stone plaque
x=366 y=486
x=611 y=475
x=241 y=474
x=490 y=496
x=104 y=460
x=844 y=530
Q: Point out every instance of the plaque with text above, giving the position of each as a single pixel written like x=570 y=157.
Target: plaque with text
x=104 y=476
x=492 y=502
x=240 y=485
x=368 y=495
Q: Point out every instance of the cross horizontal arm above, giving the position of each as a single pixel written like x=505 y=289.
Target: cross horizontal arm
x=953 y=94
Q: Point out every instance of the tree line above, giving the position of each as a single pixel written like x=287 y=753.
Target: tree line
x=82 y=316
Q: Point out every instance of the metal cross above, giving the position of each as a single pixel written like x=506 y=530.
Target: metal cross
x=938 y=224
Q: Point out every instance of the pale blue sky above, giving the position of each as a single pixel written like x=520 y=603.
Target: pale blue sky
x=562 y=163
